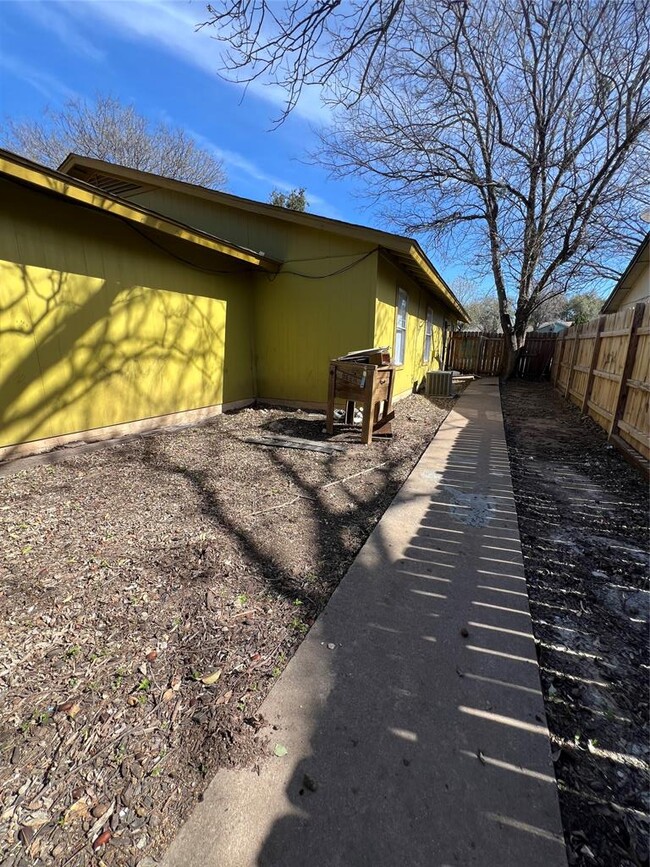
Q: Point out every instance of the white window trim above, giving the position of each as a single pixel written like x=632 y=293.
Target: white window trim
x=428 y=337
x=401 y=329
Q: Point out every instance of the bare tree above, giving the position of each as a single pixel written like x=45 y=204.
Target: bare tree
x=518 y=128
x=294 y=201
x=106 y=129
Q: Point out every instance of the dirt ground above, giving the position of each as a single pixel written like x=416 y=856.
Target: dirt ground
x=150 y=594
x=583 y=516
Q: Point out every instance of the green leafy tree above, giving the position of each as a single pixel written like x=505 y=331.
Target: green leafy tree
x=294 y=201
x=581 y=308
x=577 y=308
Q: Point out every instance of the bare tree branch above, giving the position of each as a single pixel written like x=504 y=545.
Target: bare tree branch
x=519 y=127
x=106 y=129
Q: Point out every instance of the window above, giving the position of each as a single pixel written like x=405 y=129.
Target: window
x=400 y=326
x=428 y=337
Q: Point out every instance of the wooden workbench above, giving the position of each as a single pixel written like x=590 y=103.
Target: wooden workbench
x=371 y=385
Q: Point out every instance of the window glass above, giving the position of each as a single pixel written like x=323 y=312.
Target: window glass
x=428 y=337
x=400 y=326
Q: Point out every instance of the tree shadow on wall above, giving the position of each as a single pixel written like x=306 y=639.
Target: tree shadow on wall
x=88 y=357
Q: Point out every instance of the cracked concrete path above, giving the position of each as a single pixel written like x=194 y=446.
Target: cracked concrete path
x=412 y=713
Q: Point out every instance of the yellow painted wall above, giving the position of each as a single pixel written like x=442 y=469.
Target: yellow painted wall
x=300 y=324
x=412 y=372
x=639 y=289
x=98 y=326
x=302 y=319
x=289 y=242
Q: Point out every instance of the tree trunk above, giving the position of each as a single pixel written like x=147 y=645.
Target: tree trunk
x=512 y=346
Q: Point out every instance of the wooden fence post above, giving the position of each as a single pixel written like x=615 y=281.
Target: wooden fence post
x=630 y=355
x=557 y=359
x=584 y=409
x=574 y=355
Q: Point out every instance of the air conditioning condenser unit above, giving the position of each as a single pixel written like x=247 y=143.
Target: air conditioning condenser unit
x=439 y=383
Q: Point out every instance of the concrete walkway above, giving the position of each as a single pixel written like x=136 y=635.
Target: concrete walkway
x=423 y=731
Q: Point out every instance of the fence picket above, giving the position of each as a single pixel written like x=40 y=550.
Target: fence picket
x=592 y=366
x=617 y=370
x=482 y=353
x=630 y=354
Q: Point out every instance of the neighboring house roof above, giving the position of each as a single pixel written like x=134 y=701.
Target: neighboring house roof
x=556 y=325
x=637 y=264
x=54 y=182
x=406 y=251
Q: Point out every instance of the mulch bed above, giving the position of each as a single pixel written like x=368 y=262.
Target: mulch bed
x=150 y=594
x=583 y=516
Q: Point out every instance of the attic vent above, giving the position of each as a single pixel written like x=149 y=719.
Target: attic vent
x=115 y=186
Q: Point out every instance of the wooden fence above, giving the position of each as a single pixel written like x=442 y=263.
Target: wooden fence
x=603 y=366
x=482 y=353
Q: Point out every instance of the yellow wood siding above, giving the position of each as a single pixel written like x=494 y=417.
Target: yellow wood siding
x=639 y=289
x=389 y=280
x=290 y=242
x=301 y=322
x=99 y=327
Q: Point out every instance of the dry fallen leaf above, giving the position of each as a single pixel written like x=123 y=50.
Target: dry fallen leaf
x=71 y=708
x=78 y=810
x=168 y=695
x=212 y=678
x=40 y=817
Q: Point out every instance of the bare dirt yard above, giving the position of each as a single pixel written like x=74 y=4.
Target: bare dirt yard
x=583 y=517
x=150 y=594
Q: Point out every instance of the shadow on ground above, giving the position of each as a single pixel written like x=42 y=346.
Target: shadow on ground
x=583 y=514
x=412 y=717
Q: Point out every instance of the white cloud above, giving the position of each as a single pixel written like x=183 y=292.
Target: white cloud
x=233 y=160
x=47 y=16
x=236 y=162
x=172 y=26
x=47 y=85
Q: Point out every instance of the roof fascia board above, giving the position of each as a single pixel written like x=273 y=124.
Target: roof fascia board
x=398 y=243
x=78 y=192
x=364 y=233
x=421 y=260
x=425 y=280
x=623 y=279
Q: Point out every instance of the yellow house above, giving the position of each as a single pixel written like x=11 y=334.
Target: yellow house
x=633 y=286
x=130 y=301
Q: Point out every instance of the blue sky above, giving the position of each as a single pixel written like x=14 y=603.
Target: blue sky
x=148 y=53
